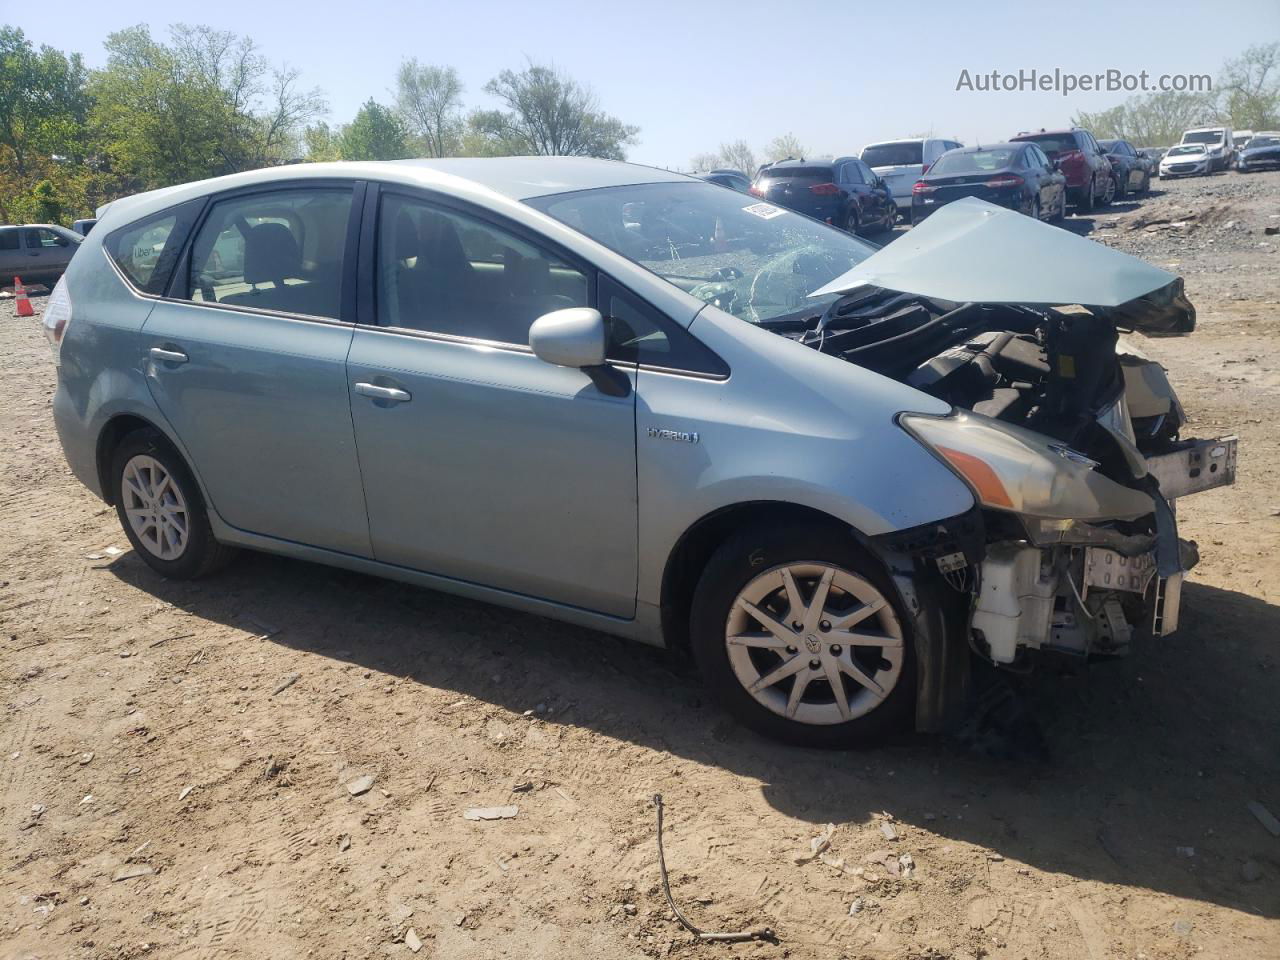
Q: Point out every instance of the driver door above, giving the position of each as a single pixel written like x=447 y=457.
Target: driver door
x=481 y=462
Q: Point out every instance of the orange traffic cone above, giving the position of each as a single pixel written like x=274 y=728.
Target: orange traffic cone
x=20 y=298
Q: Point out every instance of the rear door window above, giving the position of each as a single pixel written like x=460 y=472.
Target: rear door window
x=281 y=250
x=9 y=239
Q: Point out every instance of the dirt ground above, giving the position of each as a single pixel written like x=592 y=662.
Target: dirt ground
x=147 y=728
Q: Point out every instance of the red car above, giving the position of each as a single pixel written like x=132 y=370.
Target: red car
x=1089 y=176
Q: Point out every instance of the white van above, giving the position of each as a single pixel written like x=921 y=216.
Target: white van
x=900 y=163
x=1218 y=143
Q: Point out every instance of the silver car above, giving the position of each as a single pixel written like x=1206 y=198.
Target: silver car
x=639 y=402
x=36 y=251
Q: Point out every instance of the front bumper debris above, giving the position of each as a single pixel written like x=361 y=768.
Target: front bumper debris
x=1195 y=466
x=1084 y=588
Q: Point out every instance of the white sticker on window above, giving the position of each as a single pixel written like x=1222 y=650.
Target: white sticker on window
x=765 y=211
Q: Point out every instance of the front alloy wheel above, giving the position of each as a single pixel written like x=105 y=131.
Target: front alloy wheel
x=814 y=643
x=798 y=632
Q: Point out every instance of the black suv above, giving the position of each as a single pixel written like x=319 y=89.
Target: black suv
x=842 y=192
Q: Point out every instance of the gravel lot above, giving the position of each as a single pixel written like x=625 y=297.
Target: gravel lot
x=148 y=735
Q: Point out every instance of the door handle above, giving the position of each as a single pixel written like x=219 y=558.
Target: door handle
x=394 y=394
x=168 y=356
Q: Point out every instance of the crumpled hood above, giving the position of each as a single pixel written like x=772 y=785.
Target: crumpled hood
x=971 y=251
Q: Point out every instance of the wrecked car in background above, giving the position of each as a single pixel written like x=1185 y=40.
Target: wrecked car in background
x=835 y=472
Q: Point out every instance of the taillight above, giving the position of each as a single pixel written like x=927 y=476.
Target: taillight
x=824 y=189
x=922 y=188
x=1004 y=181
x=57 y=315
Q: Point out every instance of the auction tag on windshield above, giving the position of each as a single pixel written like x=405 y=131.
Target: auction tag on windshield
x=765 y=211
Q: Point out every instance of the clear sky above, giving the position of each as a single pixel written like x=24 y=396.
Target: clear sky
x=692 y=74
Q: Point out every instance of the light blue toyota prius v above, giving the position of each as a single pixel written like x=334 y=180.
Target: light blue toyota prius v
x=839 y=475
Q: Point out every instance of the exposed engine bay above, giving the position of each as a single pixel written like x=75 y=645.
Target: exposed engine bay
x=1041 y=578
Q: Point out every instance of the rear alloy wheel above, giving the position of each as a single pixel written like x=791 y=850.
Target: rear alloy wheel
x=851 y=222
x=161 y=510
x=799 y=638
x=1109 y=193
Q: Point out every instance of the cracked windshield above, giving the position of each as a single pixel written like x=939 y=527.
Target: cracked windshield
x=752 y=259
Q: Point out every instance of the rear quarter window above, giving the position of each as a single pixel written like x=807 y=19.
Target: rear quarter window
x=147 y=250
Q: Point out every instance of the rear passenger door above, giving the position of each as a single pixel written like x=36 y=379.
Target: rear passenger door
x=246 y=358
x=481 y=462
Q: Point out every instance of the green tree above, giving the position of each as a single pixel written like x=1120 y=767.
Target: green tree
x=429 y=99
x=1153 y=120
x=547 y=113
x=1250 y=88
x=780 y=148
x=205 y=104
x=43 y=104
x=48 y=207
x=322 y=142
x=376 y=133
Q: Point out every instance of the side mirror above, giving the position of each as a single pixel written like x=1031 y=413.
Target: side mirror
x=573 y=337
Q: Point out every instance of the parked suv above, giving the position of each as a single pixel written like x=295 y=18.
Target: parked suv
x=842 y=192
x=36 y=251
x=640 y=402
x=900 y=163
x=1089 y=177
x=1218 y=142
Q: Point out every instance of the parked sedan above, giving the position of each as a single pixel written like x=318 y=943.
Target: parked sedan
x=1088 y=172
x=1014 y=175
x=1262 y=153
x=36 y=251
x=639 y=402
x=843 y=192
x=1186 y=160
x=1132 y=168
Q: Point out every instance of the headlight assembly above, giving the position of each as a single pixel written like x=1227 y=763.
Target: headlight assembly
x=1015 y=469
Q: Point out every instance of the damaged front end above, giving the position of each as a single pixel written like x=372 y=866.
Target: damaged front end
x=1069 y=438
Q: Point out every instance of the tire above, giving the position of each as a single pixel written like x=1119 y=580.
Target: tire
x=1146 y=185
x=1085 y=204
x=1035 y=208
x=1109 y=194
x=170 y=529
x=1062 y=209
x=851 y=222
x=1121 y=187
x=750 y=566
